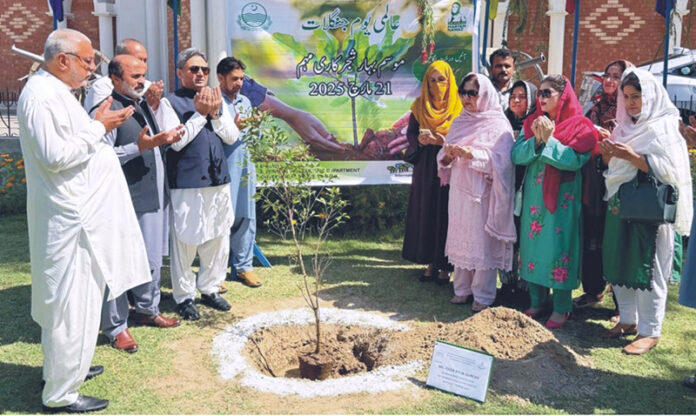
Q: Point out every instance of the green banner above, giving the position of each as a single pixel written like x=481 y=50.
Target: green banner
x=356 y=65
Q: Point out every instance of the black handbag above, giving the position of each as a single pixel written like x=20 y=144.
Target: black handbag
x=647 y=200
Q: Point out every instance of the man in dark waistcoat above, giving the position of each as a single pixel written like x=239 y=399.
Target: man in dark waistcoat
x=202 y=212
x=143 y=166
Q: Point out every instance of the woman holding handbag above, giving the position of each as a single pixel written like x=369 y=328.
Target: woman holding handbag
x=603 y=115
x=637 y=256
x=555 y=143
x=432 y=114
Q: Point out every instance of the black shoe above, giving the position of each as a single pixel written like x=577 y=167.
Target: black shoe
x=93 y=372
x=425 y=278
x=82 y=404
x=215 y=301
x=188 y=311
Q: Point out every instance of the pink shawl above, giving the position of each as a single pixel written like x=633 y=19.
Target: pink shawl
x=489 y=130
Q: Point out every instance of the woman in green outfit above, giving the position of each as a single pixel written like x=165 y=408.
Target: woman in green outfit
x=556 y=141
x=638 y=256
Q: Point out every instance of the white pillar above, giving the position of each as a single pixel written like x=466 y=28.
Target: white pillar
x=217 y=36
x=498 y=24
x=106 y=13
x=557 y=16
x=681 y=10
x=156 y=31
x=198 y=32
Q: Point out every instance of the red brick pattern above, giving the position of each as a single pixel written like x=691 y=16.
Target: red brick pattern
x=598 y=44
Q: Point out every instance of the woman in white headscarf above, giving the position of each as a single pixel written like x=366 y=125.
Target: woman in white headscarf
x=637 y=256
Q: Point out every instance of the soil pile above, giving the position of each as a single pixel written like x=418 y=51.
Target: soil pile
x=530 y=362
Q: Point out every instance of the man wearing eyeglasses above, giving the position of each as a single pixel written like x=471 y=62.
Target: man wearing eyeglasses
x=202 y=212
x=83 y=232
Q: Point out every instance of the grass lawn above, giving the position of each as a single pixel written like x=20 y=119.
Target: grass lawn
x=174 y=371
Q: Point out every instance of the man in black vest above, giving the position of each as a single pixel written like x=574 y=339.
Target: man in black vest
x=202 y=212
x=143 y=167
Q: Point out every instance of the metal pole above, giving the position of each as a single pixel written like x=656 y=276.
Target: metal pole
x=485 y=32
x=576 y=28
x=668 y=14
x=176 y=40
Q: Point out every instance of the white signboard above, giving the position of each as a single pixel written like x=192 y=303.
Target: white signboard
x=461 y=371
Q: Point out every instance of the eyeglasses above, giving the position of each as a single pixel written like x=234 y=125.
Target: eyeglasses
x=194 y=69
x=612 y=77
x=545 y=93
x=469 y=93
x=87 y=61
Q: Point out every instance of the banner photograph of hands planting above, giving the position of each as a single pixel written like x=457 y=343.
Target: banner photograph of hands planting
x=348 y=71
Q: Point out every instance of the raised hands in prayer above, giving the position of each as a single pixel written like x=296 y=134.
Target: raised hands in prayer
x=543 y=129
x=112 y=119
x=146 y=142
x=207 y=101
x=154 y=94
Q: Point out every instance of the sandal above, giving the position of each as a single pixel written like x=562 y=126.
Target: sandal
x=460 y=300
x=478 y=307
x=587 y=301
x=538 y=314
x=551 y=324
x=690 y=381
x=621 y=330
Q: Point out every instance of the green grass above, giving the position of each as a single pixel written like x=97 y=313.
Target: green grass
x=174 y=372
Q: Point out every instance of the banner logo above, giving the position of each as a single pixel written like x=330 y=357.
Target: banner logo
x=457 y=20
x=253 y=17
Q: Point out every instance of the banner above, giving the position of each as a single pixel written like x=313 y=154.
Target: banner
x=355 y=65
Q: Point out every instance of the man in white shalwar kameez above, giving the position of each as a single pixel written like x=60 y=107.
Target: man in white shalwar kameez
x=83 y=233
x=198 y=177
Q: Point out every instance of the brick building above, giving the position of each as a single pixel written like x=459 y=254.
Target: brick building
x=609 y=29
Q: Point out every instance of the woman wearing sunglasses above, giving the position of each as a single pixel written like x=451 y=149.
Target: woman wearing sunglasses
x=432 y=114
x=638 y=256
x=556 y=141
x=603 y=115
x=475 y=161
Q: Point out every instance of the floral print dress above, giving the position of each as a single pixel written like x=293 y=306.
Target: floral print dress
x=550 y=243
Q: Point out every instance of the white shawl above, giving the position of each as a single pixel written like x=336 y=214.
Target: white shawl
x=656 y=135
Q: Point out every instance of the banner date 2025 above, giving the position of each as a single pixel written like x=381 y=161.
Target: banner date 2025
x=352 y=89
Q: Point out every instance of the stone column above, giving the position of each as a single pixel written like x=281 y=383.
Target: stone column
x=557 y=14
x=105 y=12
x=498 y=24
x=156 y=41
x=198 y=32
x=681 y=10
x=217 y=36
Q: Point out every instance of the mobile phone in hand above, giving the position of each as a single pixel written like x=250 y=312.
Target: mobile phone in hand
x=426 y=131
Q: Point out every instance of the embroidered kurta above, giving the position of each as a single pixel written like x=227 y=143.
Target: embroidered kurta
x=550 y=245
x=76 y=195
x=469 y=245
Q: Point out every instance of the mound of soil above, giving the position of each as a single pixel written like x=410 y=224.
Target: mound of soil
x=373 y=146
x=530 y=361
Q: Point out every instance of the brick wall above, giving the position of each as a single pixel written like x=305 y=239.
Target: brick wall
x=609 y=30
x=26 y=23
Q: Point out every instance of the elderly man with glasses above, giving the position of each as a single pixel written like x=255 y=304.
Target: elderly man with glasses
x=83 y=232
x=198 y=177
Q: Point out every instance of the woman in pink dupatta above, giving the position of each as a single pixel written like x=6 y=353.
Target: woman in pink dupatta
x=475 y=161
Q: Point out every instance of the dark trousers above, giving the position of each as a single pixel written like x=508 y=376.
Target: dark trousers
x=593 y=282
